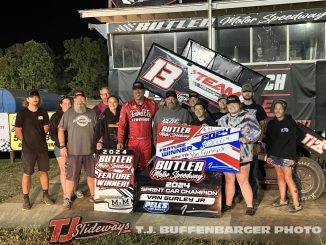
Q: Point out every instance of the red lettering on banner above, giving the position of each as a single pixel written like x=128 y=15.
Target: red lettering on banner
x=267 y=105
x=215 y=84
x=58 y=225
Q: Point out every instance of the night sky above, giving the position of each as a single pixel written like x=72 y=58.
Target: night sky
x=50 y=22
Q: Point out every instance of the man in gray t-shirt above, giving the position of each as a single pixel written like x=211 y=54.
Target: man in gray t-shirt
x=171 y=112
x=79 y=121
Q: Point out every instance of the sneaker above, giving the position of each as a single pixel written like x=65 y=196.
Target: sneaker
x=47 y=200
x=26 y=204
x=91 y=199
x=250 y=211
x=279 y=203
x=227 y=208
x=79 y=194
x=67 y=203
x=293 y=208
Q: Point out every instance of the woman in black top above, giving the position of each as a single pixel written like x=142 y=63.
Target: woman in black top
x=202 y=118
x=106 y=129
x=64 y=105
x=281 y=152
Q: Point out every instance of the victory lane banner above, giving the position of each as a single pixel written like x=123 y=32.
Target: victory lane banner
x=165 y=70
x=218 y=147
x=15 y=143
x=114 y=184
x=179 y=187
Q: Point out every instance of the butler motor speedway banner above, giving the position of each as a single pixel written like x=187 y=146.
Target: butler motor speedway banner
x=183 y=179
x=114 y=184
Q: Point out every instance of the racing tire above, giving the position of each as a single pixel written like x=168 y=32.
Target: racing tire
x=312 y=178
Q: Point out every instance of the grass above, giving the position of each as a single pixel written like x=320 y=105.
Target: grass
x=11 y=173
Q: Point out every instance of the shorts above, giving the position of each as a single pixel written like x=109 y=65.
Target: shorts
x=281 y=162
x=74 y=164
x=30 y=159
x=244 y=163
x=57 y=152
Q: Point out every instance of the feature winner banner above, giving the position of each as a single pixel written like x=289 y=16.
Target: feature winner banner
x=165 y=70
x=179 y=187
x=114 y=184
x=218 y=147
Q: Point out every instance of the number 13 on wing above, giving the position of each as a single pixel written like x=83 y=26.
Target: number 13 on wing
x=162 y=73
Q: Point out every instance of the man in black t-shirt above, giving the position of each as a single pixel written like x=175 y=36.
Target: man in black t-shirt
x=253 y=108
x=31 y=127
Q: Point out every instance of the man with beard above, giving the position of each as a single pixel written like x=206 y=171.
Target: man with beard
x=79 y=122
x=31 y=127
x=258 y=111
x=171 y=113
x=135 y=123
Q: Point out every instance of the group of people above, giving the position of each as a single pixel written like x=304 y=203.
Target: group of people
x=78 y=131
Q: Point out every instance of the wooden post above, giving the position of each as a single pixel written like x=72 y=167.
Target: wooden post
x=12 y=156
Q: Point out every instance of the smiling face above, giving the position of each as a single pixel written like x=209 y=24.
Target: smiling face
x=199 y=111
x=247 y=95
x=113 y=104
x=222 y=104
x=233 y=108
x=192 y=101
x=105 y=94
x=138 y=93
x=279 y=111
x=65 y=104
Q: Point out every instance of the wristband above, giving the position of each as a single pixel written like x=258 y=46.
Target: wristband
x=62 y=146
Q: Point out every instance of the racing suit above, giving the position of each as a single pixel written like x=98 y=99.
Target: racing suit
x=137 y=121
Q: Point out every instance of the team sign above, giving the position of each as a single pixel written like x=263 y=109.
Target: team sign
x=114 y=185
x=164 y=70
x=218 y=148
x=179 y=187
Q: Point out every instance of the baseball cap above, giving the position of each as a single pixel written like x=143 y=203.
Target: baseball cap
x=247 y=87
x=193 y=94
x=33 y=92
x=138 y=85
x=79 y=93
x=233 y=99
x=223 y=96
x=171 y=93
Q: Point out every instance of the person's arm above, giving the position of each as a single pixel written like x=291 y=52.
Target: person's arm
x=99 y=132
x=123 y=122
x=19 y=133
x=293 y=140
x=46 y=122
x=154 y=133
x=62 y=145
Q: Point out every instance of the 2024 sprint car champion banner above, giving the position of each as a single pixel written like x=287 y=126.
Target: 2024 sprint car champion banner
x=184 y=178
x=114 y=184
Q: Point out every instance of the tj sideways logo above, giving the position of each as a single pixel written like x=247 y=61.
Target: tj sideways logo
x=68 y=229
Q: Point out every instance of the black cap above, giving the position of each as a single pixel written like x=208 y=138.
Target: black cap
x=171 y=93
x=138 y=85
x=79 y=93
x=193 y=94
x=223 y=96
x=33 y=92
x=233 y=99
